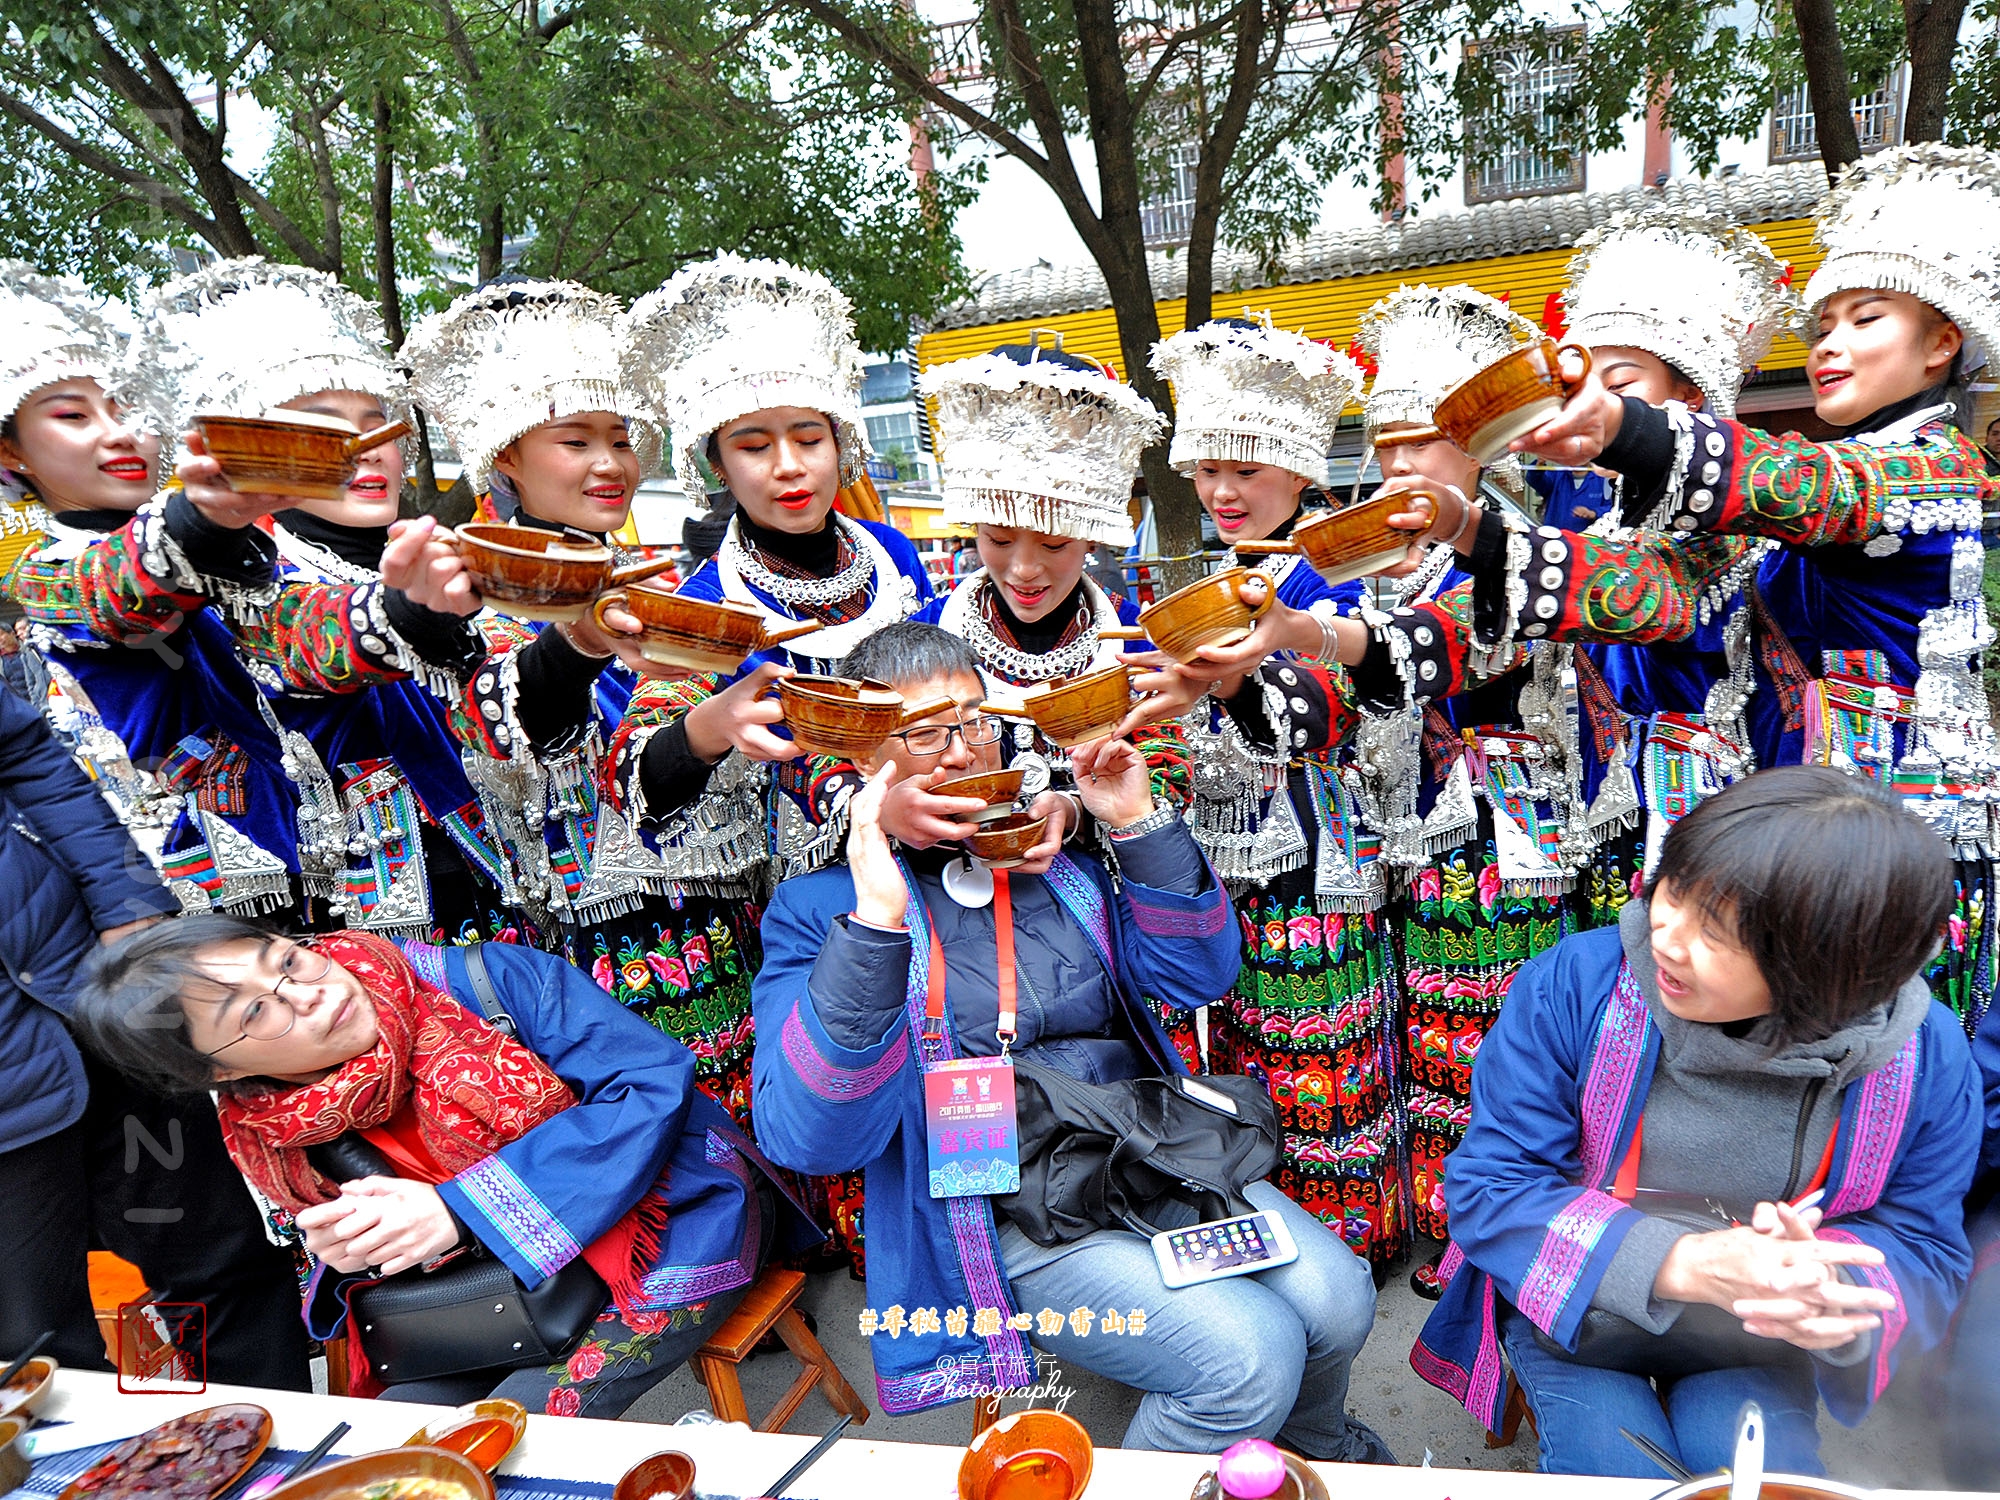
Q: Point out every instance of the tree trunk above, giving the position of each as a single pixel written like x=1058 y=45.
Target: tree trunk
x=1826 y=80
x=492 y=241
x=1247 y=74
x=422 y=495
x=1931 y=29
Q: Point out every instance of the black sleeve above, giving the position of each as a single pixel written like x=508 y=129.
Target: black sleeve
x=670 y=774
x=1378 y=686
x=451 y=643
x=243 y=555
x=1643 y=451
x=554 y=703
x=1487 y=563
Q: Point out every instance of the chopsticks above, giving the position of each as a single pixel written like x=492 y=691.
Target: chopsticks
x=1673 y=1466
x=319 y=1451
x=777 y=1490
x=7 y=1375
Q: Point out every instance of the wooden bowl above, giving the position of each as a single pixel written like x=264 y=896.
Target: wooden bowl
x=1343 y=545
x=1074 y=711
x=696 y=635
x=346 y=1479
x=483 y=1431
x=664 y=1476
x=534 y=574
x=1775 y=1487
x=846 y=715
x=26 y=1393
x=1510 y=398
x=1208 y=613
x=999 y=790
x=1005 y=842
x=1028 y=1455
x=14 y=1464
x=310 y=458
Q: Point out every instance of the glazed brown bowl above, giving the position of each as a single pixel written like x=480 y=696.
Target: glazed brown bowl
x=1510 y=398
x=1076 y=710
x=696 y=635
x=346 y=1479
x=1342 y=545
x=664 y=1476
x=483 y=1431
x=532 y=574
x=303 y=457
x=999 y=790
x=1027 y=1455
x=1005 y=842
x=26 y=1393
x=1775 y=1487
x=846 y=715
x=1208 y=613
x=14 y=1464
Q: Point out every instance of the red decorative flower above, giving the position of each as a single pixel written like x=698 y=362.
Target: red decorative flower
x=1505 y=299
x=1554 y=322
x=648 y=1322
x=563 y=1402
x=1786 y=279
x=1363 y=358
x=587 y=1363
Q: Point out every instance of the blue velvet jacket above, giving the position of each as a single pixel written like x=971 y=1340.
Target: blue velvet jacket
x=1560 y=1086
x=639 y=1119
x=823 y=1107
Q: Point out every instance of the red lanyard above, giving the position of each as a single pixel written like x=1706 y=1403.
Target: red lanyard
x=1003 y=939
x=1625 y=1185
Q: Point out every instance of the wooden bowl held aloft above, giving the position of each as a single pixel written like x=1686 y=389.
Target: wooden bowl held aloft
x=1005 y=841
x=1027 y=1455
x=696 y=635
x=1076 y=710
x=1510 y=398
x=346 y=1479
x=847 y=715
x=1342 y=545
x=301 y=456
x=532 y=574
x=999 y=790
x=1208 y=613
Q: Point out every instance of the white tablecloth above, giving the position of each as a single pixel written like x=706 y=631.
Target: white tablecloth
x=732 y=1460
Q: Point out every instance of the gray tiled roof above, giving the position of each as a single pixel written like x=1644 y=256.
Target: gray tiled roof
x=1514 y=226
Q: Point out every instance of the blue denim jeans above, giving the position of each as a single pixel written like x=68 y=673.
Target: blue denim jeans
x=1579 y=1408
x=1971 y=1429
x=1264 y=1356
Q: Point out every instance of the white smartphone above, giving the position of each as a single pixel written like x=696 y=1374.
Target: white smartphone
x=1224 y=1247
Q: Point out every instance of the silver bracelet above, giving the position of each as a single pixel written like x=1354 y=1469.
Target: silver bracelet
x=1465 y=521
x=1163 y=815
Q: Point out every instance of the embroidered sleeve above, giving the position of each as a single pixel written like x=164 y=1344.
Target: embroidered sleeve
x=112 y=588
x=1640 y=589
x=328 y=638
x=481 y=709
x=655 y=704
x=1286 y=709
x=1727 y=477
x=1425 y=652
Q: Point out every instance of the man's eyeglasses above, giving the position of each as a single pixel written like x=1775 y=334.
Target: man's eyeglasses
x=269 y=1016
x=935 y=739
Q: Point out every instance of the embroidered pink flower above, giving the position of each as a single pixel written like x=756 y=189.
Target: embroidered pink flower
x=1429 y=885
x=1304 y=931
x=1489 y=887
x=587 y=1363
x=649 y=1322
x=563 y=1402
x=1955 y=932
x=669 y=969
x=695 y=951
x=604 y=972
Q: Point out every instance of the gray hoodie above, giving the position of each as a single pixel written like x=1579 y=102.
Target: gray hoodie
x=1729 y=1118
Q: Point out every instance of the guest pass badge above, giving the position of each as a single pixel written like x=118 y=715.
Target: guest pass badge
x=969 y=1101
x=969 y=1119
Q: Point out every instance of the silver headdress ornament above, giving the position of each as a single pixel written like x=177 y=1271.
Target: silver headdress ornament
x=1701 y=294
x=1425 y=340
x=1259 y=395
x=245 y=336
x=727 y=337
x=1043 y=446
x=510 y=356
x=1922 y=219
x=56 y=329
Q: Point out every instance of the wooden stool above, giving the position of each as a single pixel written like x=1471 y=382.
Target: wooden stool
x=1510 y=1419
x=985 y=1412
x=768 y=1305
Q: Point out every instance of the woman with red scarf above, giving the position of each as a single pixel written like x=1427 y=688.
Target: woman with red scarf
x=580 y=1134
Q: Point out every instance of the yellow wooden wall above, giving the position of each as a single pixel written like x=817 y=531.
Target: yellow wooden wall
x=1332 y=309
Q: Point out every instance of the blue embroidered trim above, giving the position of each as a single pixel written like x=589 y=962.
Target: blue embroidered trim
x=428 y=960
x=830 y=1080
x=511 y=1206
x=676 y=1286
x=1163 y=921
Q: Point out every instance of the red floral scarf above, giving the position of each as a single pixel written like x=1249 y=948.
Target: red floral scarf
x=473 y=1089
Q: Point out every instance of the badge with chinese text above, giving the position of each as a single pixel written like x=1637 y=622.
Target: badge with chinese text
x=969 y=1120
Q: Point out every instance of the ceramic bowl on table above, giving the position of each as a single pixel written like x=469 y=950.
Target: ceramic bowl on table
x=1005 y=842
x=1774 y=1487
x=1027 y=1455
x=29 y=1390
x=14 y=1464
x=848 y=716
x=664 y=1476
x=999 y=790
x=696 y=635
x=1073 y=711
x=1208 y=613
x=299 y=454
x=483 y=1431
x=408 y=1473
x=1509 y=398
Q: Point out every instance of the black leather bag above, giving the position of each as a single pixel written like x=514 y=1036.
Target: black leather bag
x=471 y=1313
x=1145 y=1154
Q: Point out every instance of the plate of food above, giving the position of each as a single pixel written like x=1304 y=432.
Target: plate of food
x=190 y=1458
x=395 y=1474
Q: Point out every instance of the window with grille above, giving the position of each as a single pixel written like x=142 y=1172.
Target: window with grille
x=1164 y=219
x=892 y=431
x=1532 y=83
x=1878 y=120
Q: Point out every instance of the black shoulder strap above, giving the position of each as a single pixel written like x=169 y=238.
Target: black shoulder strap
x=482 y=986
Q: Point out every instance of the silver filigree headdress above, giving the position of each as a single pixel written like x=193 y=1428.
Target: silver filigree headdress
x=1048 y=445
x=1703 y=295
x=1425 y=340
x=245 y=336
x=1922 y=219
x=56 y=329
x=512 y=355
x=729 y=336
x=1255 y=394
